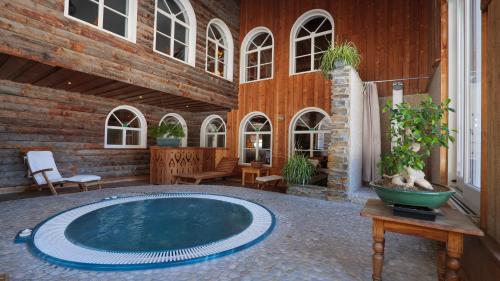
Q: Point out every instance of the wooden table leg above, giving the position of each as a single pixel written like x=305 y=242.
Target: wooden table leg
x=441 y=261
x=378 y=249
x=243 y=178
x=454 y=250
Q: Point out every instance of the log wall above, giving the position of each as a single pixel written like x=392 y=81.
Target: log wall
x=72 y=125
x=38 y=30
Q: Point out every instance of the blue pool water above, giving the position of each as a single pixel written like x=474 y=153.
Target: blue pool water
x=150 y=231
x=158 y=225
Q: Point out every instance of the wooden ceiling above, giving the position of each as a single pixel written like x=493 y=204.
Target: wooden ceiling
x=31 y=72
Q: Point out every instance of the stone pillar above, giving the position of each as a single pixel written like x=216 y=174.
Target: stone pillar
x=345 y=150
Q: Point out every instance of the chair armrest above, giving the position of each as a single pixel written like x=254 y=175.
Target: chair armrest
x=41 y=171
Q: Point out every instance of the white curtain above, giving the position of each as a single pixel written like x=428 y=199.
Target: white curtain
x=371 y=132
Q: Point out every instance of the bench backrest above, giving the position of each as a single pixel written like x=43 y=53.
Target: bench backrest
x=227 y=165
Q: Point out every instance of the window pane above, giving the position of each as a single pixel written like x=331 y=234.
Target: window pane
x=252 y=73
x=180 y=50
x=251 y=141
x=321 y=43
x=163 y=24
x=221 y=140
x=260 y=39
x=266 y=71
x=317 y=60
x=114 y=22
x=326 y=26
x=163 y=6
x=221 y=54
x=210 y=141
x=217 y=32
x=211 y=49
x=302 y=141
x=302 y=33
x=321 y=141
x=252 y=59
x=162 y=44
x=268 y=41
x=266 y=141
x=221 y=69
x=180 y=33
x=125 y=116
x=249 y=155
x=132 y=137
x=303 y=64
x=303 y=47
x=266 y=56
x=113 y=121
x=260 y=123
x=118 y=5
x=174 y=8
x=211 y=65
x=313 y=24
x=115 y=136
x=85 y=10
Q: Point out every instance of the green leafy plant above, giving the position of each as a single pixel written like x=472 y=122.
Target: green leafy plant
x=346 y=51
x=167 y=130
x=415 y=131
x=298 y=170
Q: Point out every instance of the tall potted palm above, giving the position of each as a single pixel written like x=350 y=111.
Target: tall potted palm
x=414 y=131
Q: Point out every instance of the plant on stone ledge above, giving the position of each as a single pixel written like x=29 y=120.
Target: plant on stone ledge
x=298 y=170
x=341 y=54
x=415 y=131
x=167 y=130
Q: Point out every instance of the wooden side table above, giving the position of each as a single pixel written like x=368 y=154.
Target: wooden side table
x=254 y=172
x=449 y=228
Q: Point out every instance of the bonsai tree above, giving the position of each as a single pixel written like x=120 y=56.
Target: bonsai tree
x=415 y=131
x=298 y=170
x=345 y=53
x=167 y=130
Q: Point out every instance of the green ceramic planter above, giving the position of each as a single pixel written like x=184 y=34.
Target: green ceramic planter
x=433 y=200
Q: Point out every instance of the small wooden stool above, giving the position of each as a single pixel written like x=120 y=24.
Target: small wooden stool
x=265 y=181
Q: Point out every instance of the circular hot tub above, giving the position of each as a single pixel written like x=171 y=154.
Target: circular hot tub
x=149 y=231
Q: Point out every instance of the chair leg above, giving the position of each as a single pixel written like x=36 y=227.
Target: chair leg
x=49 y=183
x=197 y=182
x=99 y=184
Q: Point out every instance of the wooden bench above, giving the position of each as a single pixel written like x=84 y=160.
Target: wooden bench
x=225 y=168
x=265 y=181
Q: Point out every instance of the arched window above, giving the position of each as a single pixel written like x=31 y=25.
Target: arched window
x=310 y=133
x=174 y=118
x=311 y=36
x=175 y=30
x=256 y=138
x=213 y=132
x=126 y=127
x=220 y=50
x=257 y=55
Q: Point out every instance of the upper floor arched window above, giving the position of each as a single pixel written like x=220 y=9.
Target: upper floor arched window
x=174 y=118
x=126 y=127
x=256 y=135
x=213 y=132
x=310 y=37
x=257 y=55
x=220 y=50
x=175 y=30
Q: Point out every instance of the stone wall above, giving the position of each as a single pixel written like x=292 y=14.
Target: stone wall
x=345 y=153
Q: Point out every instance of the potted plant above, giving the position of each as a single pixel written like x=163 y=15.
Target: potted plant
x=298 y=170
x=414 y=131
x=338 y=56
x=167 y=134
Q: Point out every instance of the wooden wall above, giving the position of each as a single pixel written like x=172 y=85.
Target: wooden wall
x=73 y=126
x=392 y=36
x=38 y=30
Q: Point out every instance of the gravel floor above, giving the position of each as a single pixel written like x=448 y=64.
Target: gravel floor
x=313 y=240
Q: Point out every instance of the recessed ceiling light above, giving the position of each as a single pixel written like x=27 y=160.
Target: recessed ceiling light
x=69 y=82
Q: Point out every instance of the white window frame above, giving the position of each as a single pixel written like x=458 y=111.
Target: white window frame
x=183 y=123
x=243 y=133
x=293 y=37
x=131 y=19
x=228 y=47
x=243 y=54
x=292 y=132
x=204 y=134
x=143 y=128
x=191 y=30
x=460 y=92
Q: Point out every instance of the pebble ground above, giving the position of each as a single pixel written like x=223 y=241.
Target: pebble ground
x=313 y=240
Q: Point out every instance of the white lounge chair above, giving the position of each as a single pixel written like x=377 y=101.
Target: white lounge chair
x=44 y=171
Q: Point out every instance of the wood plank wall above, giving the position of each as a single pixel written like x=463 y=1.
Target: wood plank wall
x=38 y=30
x=392 y=36
x=73 y=126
